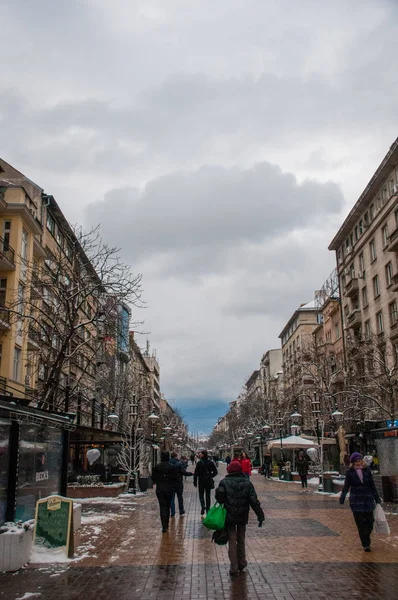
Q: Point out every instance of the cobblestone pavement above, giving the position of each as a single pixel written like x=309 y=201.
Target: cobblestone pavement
x=308 y=548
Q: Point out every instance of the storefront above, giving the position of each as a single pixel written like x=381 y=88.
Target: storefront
x=33 y=453
x=108 y=443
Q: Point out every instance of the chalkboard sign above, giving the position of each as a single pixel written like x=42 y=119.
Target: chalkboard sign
x=54 y=523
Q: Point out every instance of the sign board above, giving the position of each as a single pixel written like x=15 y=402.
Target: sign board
x=54 y=523
x=392 y=423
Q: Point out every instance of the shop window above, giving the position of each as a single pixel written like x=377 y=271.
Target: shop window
x=4 y=460
x=39 y=469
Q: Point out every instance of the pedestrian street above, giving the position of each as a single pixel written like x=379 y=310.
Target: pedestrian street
x=308 y=548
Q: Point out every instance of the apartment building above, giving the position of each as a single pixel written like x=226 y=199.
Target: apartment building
x=154 y=375
x=328 y=338
x=366 y=248
x=296 y=338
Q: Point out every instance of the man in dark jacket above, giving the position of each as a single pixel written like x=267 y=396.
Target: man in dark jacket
x=179 y=487
x=204 y=472
x=237 y=494
x=303 y=465
x=165 y=475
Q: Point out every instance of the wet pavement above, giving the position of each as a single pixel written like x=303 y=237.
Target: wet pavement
x=308 y=548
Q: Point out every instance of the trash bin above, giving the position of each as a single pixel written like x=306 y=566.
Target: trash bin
x=288 y=476
x=328 y=484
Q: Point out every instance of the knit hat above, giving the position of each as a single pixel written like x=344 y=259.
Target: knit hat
x=234 y=467
x=355 y=456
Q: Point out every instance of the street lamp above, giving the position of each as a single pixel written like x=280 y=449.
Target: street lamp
x=336 y=414
x=295 y=414
x=153 y=418
x=316 y=411
x=113 y=417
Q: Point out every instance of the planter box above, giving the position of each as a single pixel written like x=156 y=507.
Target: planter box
x=15 y=548
x=106 y=491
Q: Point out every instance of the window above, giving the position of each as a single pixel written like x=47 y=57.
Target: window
x=50 y=223
x=3 y=291
x=376 y=286
x=372 y=212
x=372 y=250
x=368 y=330
x=365 y=297
x=389 y=274
x=379 y=321
x=360 y=227
x=337 y=331
x=58 y=236
x=384 y=194
x=361 y=263
x=6 y=235
x=21 y=296
x=393 y=310
x=24 y=254
x=356 y=233
x=396 y=217
x=391 y=186
x=366 y=219
x=16 y=375
x=384 y=235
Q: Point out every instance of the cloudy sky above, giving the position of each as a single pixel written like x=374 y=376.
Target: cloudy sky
x=218 y=142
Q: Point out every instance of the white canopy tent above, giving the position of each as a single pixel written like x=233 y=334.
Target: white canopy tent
x=292 y=442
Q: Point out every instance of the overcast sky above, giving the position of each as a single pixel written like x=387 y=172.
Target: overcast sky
x=220 y=143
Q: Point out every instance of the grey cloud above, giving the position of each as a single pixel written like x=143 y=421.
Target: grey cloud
x=192 y=219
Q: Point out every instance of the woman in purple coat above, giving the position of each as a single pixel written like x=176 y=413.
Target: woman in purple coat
x=363 y=497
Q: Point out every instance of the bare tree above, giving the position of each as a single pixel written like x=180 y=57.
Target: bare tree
x=67 y=307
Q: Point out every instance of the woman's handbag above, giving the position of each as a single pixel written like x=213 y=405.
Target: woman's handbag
x=381 y=524
x=215 y=518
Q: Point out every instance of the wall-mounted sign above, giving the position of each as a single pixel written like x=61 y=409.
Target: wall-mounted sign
x=54 y=523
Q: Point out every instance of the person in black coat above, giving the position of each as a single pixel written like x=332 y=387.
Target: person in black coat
x=237 y=494
x=166 y=477
x=302 y=466
x=363 y=497
x=205 y=470
x=181 y=468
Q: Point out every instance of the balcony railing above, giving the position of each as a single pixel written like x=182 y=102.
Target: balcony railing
x=6 y=252
x=4 y=314
x=351 y=288
x=393 y=241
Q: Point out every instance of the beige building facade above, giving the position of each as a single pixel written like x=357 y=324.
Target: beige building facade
x=366 y=248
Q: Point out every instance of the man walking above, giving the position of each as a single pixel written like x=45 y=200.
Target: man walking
x=302 y=466
x=165 y=476
x=178 y=488
x=237 y=494
x=204 y=472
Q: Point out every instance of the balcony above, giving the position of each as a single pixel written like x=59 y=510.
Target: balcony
x=354 y=319
x=33 y=338
x=7 y=256
x=4 y=318
x=393 y=243
x=3 y=385
x=394 y=280
x=351 y=288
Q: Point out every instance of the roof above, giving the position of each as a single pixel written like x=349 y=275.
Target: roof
x=382 y=172
x=310 y=307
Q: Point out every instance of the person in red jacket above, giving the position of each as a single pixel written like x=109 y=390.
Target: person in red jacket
x=246 y=465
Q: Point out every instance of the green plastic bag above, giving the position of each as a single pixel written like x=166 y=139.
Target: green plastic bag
x=215 y=518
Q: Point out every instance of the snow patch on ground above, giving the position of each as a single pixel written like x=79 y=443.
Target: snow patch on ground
x=29 y=595
x=41 y=555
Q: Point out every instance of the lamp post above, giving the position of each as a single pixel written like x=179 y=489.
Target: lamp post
x=316 y=411
x=153 y=419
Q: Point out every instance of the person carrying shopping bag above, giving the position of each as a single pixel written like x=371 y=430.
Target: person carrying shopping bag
x=237 y=494
x=363 y=497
